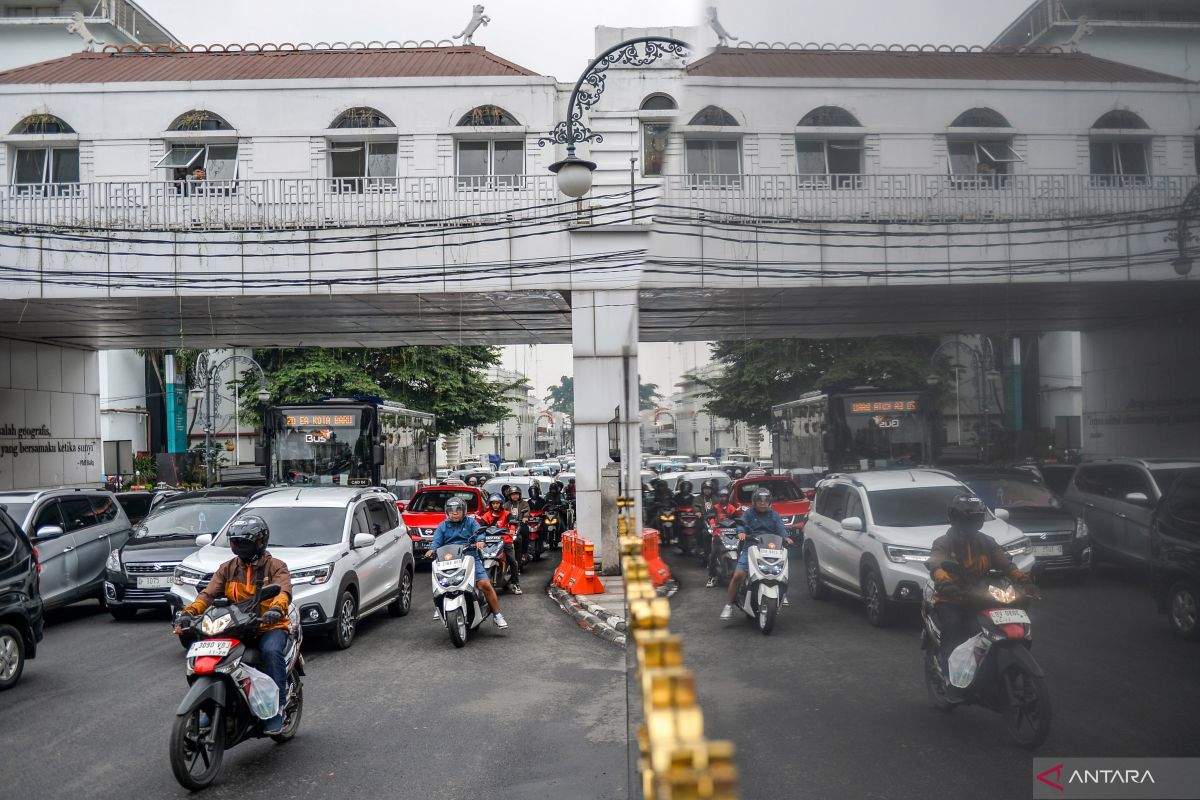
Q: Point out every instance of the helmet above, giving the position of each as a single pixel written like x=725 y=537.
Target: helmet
x=723 y=494
x=535 y=490
x=763 y=495
x=248 y=537
x=514 y=490
x=966 y=512
x=455 y=504
x=495 y=499
x=658 y=482
x=709 y=484
x=471 y=481
x=685 y=487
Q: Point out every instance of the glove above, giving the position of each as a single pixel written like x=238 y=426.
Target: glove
x=949 y=590
x=182 y=620
x=272 y=616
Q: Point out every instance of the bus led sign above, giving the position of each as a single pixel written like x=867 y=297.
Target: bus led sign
x=306 y=420
x=882 y=406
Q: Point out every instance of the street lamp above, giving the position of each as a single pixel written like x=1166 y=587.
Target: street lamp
x=984 y=368
x=204 y=389
x=575 y=174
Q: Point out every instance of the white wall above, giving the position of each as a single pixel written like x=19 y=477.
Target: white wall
x=1060 y=362
x=122 y=401
x=48 y=416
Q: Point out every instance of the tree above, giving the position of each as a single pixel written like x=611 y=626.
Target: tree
x=648 y=395
x=561 y=398
x=757 y=374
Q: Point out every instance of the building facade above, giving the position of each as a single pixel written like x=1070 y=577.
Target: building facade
x=39 y=30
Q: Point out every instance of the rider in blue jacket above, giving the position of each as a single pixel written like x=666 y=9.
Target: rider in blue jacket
x=458 y=528
x=759 y=519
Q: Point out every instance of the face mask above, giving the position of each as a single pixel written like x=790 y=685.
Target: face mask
x=245 y=549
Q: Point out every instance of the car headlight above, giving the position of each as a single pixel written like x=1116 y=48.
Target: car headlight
x=211 y=626
x=1081 y=528
x=113 y=563
x=191 y=577
x=900 y=554
x=1018 y=548
x=313 y=575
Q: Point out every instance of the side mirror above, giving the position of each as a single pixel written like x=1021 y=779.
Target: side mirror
x=1137 y=499
x=221 y=602
x=401 y=505
x=1001 y=514
x=852 y=524
x=174 y=601
x=49 y=532
x=270 y=591
x=362 y=540
x=811 y=494
x=378 y=455
x=204 y=540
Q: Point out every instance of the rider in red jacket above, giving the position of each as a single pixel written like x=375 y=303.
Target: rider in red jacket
x=496 y=515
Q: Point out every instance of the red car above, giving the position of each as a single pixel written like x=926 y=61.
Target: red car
x=426 y=510
x=788 y=499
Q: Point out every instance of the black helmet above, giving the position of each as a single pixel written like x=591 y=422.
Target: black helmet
x=495 y=499
x=248 y=537
x=966 y=512
x=657 y=482
x=685 y=487
x=535 y=490
x=514 y=490
x=710 y=484
x=455 y=504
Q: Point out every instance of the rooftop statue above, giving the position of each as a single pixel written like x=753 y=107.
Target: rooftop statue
x=477 y=18
x=723 y=36
x=79 y=27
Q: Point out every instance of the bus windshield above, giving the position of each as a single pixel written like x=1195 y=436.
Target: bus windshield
x=322 y=446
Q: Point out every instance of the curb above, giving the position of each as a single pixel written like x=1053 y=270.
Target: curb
x=593 y=618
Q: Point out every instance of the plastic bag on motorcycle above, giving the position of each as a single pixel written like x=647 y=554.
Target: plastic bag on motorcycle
x=264 y=693
x=965 y=660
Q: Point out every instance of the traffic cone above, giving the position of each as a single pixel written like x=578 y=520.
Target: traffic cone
x=575 y=571
x=586 y=582
x=564 y=566
x=660 y=573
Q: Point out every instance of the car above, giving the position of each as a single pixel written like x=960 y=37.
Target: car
x=140 y=573
x=404 y=490
x=1059 y=539
x=807 y=479
x=21 y=609
x=480 y=476
x=736 y=469
x=522 y=482
x=673 y=479
x=709 y=460
x=787 y=500
x=346 y=548
x=1175 y=555
x=695 y=466
x=870 y=534
x=136 y=504
x=442 y=473
x=1116 y=499
x=426 y=511
x=73 y=530
x=1057 y=477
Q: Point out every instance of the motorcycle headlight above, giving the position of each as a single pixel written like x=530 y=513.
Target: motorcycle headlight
x=113 y=562
x=901 y=555
x=1018 y=548
x=447 y=579
x=211 y=626
x=771 y=569
x=313 y=575
x=1081 y=528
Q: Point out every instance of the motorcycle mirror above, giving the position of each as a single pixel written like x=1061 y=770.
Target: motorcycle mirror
x=221 y=602
x=174 y=602
x=929 y=565
x=270 y=591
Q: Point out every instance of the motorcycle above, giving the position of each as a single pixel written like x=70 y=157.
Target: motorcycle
x=535 y=538
x=460 y=604
x=495 y=560
x=767 y=580
x=725 y=539
x=689 y=528
x=216 y=713
x=555 y=519
x=666 y=526
x=994 y=668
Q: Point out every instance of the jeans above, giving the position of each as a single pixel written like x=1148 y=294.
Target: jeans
x=957 y=624
x=514 y=566
x=273 y=646
x=715 y=549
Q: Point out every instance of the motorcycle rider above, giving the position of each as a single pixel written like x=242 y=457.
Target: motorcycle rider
x=660 y=500
x=497 y=515
x=759 y=519
x=707 y=500
x=708 y=496
x=722 y=510
x=240 y=579
x=967 y=545
x=683 y=495
x=458 y=528
x=517 y=509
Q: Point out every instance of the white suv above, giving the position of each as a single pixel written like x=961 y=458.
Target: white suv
x=870 y=534
x=347 y=550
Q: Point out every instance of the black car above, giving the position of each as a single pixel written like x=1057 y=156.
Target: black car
x=140 y=574
x=1059 y=539
x=20 y=602
x=137 y=504
x=1175 y=554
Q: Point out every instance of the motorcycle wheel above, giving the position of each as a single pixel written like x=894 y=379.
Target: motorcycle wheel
x=293 y=712
x=766 y=615
x=1028 y=714
x=196 y=762
x=935 y=686
x=458 y=627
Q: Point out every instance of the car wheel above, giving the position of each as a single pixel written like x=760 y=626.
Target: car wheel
x=403 y=602
x=122 y=613
x=879 y=607
x=817 y=589
x=1183 y=606
x=347 y=621
x=12 y=656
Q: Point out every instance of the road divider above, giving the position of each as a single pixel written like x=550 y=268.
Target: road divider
x=577 y=571
x=660 y=573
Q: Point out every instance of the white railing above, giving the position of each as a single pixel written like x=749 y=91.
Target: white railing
x=277 y=204
x=918 y=198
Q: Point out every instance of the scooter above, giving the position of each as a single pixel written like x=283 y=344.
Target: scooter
x=495 y=561
x=667 y=526
x=460 y=604
x=216 y=713
x=555 y=519
x=725 y=539
x=689 y=528
x=994 y=668
x=766 y=583
x=535 y=542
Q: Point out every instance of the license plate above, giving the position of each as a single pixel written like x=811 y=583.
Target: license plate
x=455 y=564
x=163 y=582
x=210 y=647
x=1009 y=616
x=1047 y=550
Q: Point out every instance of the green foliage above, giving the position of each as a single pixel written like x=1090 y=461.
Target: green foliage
x=561 y=398
x=145 y=469
x=758 y=374
x=648 y=395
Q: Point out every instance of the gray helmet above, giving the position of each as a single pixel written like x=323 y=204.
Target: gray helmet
x=455 y=504
x=763 y=495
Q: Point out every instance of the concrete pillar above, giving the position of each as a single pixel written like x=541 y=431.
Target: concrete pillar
x=604 y=327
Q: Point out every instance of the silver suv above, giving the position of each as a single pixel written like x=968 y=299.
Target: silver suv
x=73 y=530
x=1116 y=498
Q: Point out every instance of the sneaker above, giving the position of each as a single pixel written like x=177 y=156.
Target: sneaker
x=437 y=616
x=785 y=601
x=711 y=583
x=274 y=725
x=727 y=612
x=517 y=589
x=500 y=621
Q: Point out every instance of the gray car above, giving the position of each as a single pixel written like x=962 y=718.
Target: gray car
x=1116 y=499
x=73 y=530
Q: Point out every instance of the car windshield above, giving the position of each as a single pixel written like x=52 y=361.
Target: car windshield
x=1164 y=478
x=436 y=499
x=912 y=507
x=305 y=526
x=192 y=519
x=780 y=490
x=16 y=510
x=1008 y=493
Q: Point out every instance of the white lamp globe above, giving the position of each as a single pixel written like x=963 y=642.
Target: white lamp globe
x=574 y=176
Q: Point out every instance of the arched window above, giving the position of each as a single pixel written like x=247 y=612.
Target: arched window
x=829 y=117
x=980 y=118
x=1119 y=150
x=199 y=121
x=487 y=117
x=658 y=102
x=362 y=118
x=51 y=165
x=712 y=115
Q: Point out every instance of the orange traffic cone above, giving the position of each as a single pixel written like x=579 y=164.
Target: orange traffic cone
x=660 y=573
x=585 y=580
x=564 y=566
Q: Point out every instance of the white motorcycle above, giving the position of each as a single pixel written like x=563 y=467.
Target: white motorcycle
x=767 y=580
x=460 y=604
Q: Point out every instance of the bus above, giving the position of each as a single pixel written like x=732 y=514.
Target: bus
x=360 y=441
x=853 y=430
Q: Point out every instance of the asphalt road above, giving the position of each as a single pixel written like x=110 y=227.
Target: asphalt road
x=537 y=711
x=827 y=706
